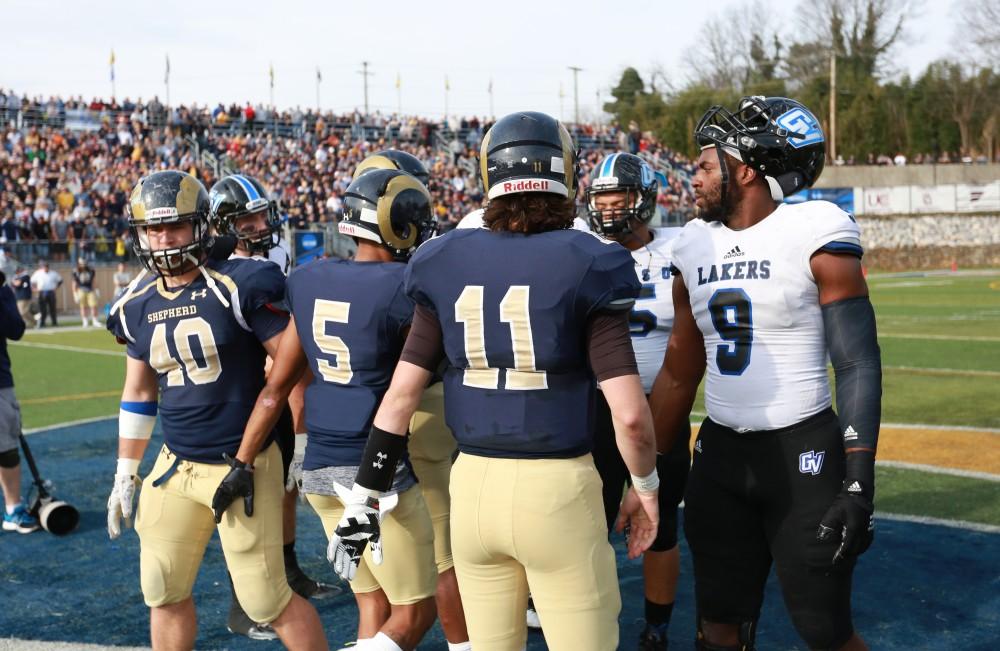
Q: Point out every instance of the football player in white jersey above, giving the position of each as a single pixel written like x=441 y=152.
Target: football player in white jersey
x=242 y=208
x=621 y=201
x=764 y=293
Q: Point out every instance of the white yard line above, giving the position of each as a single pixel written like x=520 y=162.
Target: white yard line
x=941 y=522
x=939 y=470
x=72 y=349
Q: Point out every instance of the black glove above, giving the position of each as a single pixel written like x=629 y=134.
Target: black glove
x=850 y=517
x=238 y=482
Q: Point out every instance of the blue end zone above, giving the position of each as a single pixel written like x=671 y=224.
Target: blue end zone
x=926 y=587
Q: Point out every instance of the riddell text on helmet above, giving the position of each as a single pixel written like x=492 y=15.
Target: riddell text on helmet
x=522 y=186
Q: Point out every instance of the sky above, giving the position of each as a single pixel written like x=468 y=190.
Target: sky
x=223 y=51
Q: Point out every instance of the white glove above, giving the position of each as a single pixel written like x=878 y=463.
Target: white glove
x=295 y=467
x=120 y=503
x=360 y=526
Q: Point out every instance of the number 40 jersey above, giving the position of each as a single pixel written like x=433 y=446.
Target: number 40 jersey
x=756 y=303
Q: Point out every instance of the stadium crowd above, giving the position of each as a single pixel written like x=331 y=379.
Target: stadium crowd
x=66 y=165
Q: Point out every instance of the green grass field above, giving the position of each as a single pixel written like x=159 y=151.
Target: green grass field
x=940 y=339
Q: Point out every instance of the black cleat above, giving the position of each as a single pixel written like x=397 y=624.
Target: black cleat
x=653 y=638
x=239 y=624
x=309 y=589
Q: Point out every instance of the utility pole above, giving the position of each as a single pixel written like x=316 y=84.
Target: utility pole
x=576 y=95
x=364 y=73
x=833 y=106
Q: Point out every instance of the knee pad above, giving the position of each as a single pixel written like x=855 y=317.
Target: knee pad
x=10 y=459
x=746 y=635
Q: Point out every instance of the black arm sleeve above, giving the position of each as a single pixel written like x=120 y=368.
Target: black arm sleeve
x=609 y=345
x=857 y=367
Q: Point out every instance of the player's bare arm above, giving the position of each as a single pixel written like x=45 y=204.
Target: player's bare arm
x=683 y=367
x=289 y=365
x=634 y=433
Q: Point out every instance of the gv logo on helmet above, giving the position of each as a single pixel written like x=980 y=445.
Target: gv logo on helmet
x=803 y=123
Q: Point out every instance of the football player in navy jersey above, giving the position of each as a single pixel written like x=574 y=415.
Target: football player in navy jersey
x=529 y=314
x=349 y=321
x=432 y=448
x=197 y=331
x=765 y=293
x=621 y=199
x=241 y=208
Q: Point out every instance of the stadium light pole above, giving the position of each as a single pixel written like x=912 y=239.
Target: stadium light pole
x=833 y=106
x=364 y=73
x=576 y=95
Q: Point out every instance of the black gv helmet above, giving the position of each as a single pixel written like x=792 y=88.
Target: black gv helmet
x=394 y=159
x=169 y=197
x=390 y=208
x=528 y=152
x=622 y=173
x=775 y=135
x=237 y=196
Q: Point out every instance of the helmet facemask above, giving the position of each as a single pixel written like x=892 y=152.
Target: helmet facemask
x=173 y=261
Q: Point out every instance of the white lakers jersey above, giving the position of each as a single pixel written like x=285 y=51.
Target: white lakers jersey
x=280 y=255
x=652 y=316
x=757 y=305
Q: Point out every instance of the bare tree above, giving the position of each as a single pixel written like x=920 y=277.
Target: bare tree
x=978 y=27
x=733 y=48
x=863 y=33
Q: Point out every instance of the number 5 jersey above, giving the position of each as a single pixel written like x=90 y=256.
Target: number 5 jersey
x=756 y=303
x=205 y=346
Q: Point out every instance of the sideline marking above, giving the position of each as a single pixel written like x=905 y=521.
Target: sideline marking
x=72 y=349
x=69 y=423
x=938 y=470
x=941 y=522
x=74 y=396
x=890 y=335
x=927 y=370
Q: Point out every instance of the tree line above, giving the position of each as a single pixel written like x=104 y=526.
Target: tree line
x=950 y=109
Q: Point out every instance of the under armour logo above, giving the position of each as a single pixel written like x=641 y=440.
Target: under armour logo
x=199 y=293
x=810 y=463
x=380 y=458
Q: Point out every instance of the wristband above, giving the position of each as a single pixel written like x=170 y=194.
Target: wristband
x=378 y=463
x=127 y=466
x=647 y=484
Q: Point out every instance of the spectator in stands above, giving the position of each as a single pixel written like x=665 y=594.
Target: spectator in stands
x=16 y=516
x=84 y=293
x=45 y=282
x=22 y=292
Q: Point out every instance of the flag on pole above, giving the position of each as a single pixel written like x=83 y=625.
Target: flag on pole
x=166 y=72
x=399 y=82
x=562 y=93
x=111 y=63
x=270 y=72
x=447 y=86
x=319 y=76
x=490 y=89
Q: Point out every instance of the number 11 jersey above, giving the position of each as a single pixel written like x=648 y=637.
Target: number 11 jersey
x=513 y=310
x=756 y=303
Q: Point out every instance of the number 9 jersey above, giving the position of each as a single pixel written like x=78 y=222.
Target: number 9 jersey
x=756 y=303
x=207 y=355
x=514 y=310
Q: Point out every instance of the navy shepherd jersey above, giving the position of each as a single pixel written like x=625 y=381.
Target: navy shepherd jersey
x=513 y=311
x=350 y=318
x=207 y=356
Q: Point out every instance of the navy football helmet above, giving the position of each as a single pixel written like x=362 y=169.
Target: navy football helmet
x=390 y=208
